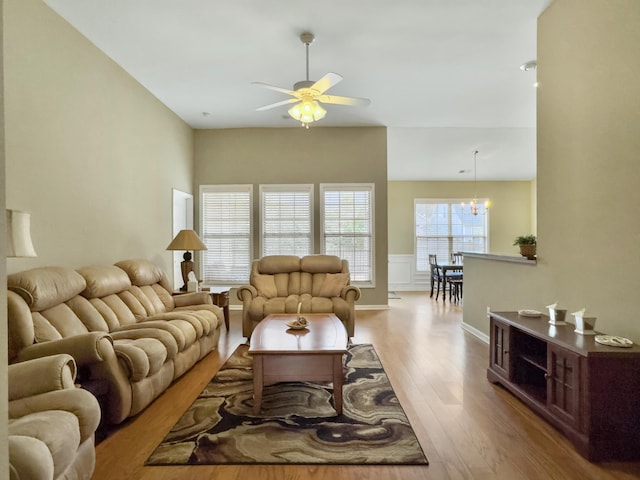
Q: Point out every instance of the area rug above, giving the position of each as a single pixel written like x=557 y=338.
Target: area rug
x=297 y=424
x=394 y=295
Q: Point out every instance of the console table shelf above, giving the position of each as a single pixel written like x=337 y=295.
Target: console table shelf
x=590 y=392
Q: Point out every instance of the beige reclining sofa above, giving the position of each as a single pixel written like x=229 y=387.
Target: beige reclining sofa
x=120 y=323
x=279 y=282
x=51 y=422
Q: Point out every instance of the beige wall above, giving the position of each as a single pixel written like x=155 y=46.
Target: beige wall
x=588 y=173
x=91 y=154
x=509 y=215
x=4 y=403
x=297 y=155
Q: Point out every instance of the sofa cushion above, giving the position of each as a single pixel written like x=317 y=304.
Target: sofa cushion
x=266 y=285
x=45 y=287
x=333 y=284
x=141 y=272
x=103 y=280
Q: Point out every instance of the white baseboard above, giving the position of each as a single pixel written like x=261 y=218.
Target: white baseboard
x=475 y=332
x=372 y=307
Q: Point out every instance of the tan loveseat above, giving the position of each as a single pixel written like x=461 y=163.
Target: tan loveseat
x=279 y=282
x=51 y=422
x=120 y=323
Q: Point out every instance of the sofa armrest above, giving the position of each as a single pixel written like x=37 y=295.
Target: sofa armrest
x=163 y=336
x=246 y=292
x=30 y=458
x=350 y=293
x=195 y=298
x=40 y=375
x=74 y=400
x=86 y=348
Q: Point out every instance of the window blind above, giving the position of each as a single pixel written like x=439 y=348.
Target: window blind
x=226 y=214
x=348 y=227
x=287 y=219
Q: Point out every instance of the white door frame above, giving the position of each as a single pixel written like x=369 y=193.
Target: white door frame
x=182 y=219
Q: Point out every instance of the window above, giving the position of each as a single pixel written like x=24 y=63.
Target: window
x=286 y=226
x=347 y=222
x=225 y=219
x=445 y=226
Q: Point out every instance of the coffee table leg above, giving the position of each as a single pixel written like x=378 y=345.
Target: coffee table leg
x=338 y=378
x=258 y=383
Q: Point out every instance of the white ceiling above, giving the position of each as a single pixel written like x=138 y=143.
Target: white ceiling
x=443 y=75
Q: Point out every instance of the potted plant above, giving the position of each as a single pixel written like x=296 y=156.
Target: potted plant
x=527 y=244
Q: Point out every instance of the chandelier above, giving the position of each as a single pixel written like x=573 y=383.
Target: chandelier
x=477 y=208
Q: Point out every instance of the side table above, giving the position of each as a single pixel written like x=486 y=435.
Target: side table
x=220 y=297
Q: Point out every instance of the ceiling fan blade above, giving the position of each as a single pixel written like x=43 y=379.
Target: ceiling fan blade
x=326 y=82
x=360 y=102
x=274 y=105
x=277 y=89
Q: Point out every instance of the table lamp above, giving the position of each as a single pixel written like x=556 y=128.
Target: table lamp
x=186 y=240
x=19 y=235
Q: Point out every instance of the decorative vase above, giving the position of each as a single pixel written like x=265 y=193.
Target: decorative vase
x=528 y=251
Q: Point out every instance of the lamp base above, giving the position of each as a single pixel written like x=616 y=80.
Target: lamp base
x=186 y=266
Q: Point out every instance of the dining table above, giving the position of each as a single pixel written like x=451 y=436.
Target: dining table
x=448 y=267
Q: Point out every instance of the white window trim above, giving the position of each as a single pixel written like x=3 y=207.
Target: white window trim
x=303 y=187
x=369 y=187
x=228 y=188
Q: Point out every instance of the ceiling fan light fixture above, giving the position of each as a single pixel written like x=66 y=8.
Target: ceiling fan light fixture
x=307 y=111
x=307 y=93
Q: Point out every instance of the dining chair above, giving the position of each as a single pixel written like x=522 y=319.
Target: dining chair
x=455 y=288
x=436 y=275
x=456 y=257
x=442 y=278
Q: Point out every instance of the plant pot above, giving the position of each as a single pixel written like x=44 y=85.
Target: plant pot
x=528 y=251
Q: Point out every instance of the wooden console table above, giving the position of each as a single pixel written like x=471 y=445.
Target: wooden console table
x=590 y=392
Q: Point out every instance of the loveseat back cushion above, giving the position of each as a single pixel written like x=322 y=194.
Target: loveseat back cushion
x=265 y=285
x=332 y=284
x=142 y=272
x=104 y=280
x=45 y=287
x=272 y=264
x=321 y=264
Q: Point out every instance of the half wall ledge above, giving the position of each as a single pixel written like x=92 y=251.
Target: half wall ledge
x=500 y=257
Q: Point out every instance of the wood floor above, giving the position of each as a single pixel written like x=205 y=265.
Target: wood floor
x=468 y=428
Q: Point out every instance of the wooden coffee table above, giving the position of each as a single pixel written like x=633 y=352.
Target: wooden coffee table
x=284 y=355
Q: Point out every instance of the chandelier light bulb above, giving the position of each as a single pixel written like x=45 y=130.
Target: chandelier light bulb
x=473 y=204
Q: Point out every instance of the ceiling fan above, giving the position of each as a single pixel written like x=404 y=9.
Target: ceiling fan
x=307 y=93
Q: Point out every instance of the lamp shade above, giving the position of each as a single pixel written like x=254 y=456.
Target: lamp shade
x=19 y=235
x=186 y=240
